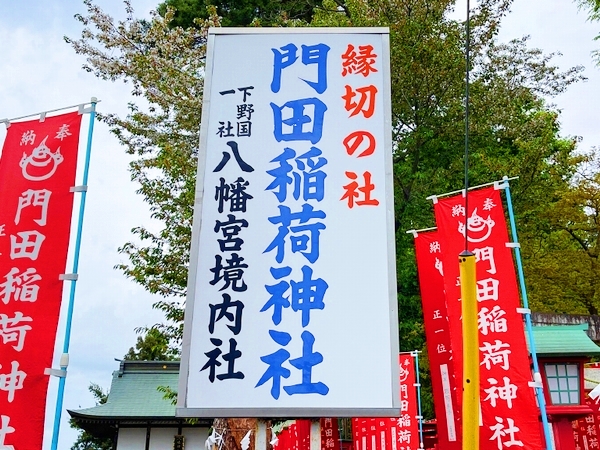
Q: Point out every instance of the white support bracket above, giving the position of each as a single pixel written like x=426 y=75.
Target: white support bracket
x=82 y=188
x=513 y=245
x=68 y=277
x=523 y=311
x=60 y=373
x=83 y=110
x=537 y=381
x=501 y=184
x=433 y=198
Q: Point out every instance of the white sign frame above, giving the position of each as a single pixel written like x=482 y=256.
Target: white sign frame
x=376 y=393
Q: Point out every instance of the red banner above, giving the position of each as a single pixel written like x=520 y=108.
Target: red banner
x=439 y=348
x=37 y=170
x=330 y=434
x=586 y=430
x=407 y=424
x=509 y=412
x=393 y=433
x=297 y=435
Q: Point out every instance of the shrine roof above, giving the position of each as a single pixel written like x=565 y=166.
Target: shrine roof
x=564 y=341
x=134 y=391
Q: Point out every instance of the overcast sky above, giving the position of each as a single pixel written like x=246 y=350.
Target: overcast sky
x=40 y=72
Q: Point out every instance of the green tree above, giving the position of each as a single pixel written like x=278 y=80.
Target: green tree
x=164 y=66
x=85 y=441
x=563 y=271
x=592 y=7
x=154 y=345
x=241 y=13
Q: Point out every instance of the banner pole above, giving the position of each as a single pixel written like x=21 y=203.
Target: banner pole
x=415 y=355
x=468 y=289
x=537 y=378
x=64 y=360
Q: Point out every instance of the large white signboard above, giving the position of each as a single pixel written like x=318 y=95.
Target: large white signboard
x=291 y=307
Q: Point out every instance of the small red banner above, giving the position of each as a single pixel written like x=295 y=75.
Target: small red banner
x=393 y=433
x=586 y=430
x=439 y=348
x=297 y=435
x=330 y=434
x=509 y=412
x=37 y=170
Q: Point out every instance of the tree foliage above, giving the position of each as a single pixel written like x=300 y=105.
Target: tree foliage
x=165 y=67
x=241 y=13
x=154 y=345
x=563 y=255
x=512 y=131
x=592 y=7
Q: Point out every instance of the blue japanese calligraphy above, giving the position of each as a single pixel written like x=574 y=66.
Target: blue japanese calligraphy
x=307 y=239
x=311 y=54
x=281 y=60
x=276 y=371
x=277 y=291
x=298 y=174
x=310 y=180
x=308 y=294
x=305 y=363
x=298 y=122
x=317 y=54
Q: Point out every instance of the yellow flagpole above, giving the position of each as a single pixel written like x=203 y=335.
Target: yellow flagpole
x=468 y=289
